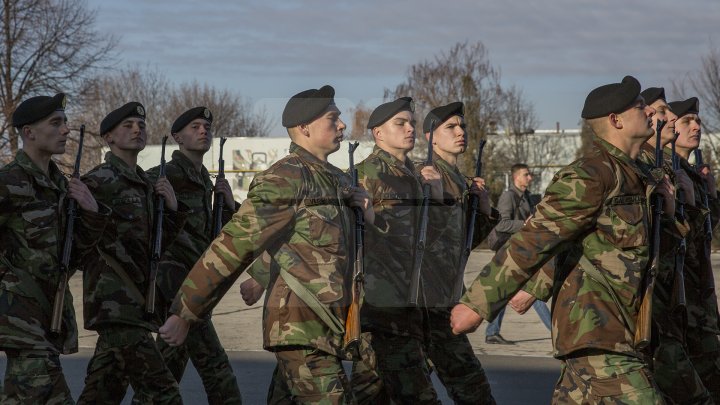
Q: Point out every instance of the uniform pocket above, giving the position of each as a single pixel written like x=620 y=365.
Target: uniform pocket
x=625 y=225
x=40 y=223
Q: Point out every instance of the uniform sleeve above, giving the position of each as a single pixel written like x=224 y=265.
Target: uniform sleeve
x=507 y=222
x=565 y=213
x=483 y=225
x=89 y=231
x=262 y=220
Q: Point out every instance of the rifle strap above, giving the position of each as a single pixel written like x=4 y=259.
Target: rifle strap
x=28 y=286
x=595 y=274
x=117 y=268
x=312 y=301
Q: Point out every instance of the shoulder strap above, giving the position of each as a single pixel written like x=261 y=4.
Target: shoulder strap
x=595 y=274
x=311 y=300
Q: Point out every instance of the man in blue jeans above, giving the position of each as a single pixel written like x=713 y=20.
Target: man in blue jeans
x=515 y=207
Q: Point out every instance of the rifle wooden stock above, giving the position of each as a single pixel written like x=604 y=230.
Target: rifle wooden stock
x=151 y=293
x=470 y=230
x=414 y=291
x=219 y=198
x=643 y=325
x=59 y=301
x=352 y=323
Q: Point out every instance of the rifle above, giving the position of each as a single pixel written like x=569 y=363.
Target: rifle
x=422 y=229
x=643 y=329
x=59 y=302
x=470 y=232
x=678 y=295
x=150 y=294
x=219 y=198
x=352 y=323
x=709 y=279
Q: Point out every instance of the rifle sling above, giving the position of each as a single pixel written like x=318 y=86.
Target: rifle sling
x=117 y=268
x=595 y=274
x=311 y=300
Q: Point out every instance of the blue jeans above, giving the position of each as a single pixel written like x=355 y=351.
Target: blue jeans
x=540 y=307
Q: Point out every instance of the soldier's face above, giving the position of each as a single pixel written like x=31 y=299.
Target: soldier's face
x=688 y=127
x=48 y=135
x=129 y=135
x=662 y=112
x=398 y=133
x=326 y=131
x=195 y=136
x=450 y=136
x=637 y=120
x=522 y=178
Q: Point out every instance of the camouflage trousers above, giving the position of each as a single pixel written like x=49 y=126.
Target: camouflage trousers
x=704 y=349
x=606 y=379
x=455 y=362
x=675 y=374
x=398 y=372
x=202 y=346
x=128 y=355
x=34 y=377
x=310 y=377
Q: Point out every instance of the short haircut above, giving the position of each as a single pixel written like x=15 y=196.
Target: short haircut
x=518 y=166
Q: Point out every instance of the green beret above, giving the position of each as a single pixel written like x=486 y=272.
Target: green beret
x=652 y=94
x=611 y=98
x=188 y=116
x=307 y=105
x=384 y=112
x=36 y=108
x=131 y=109
x=689 y=106
x=442 y=114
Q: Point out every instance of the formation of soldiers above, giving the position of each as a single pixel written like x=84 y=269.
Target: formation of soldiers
x=626 y=227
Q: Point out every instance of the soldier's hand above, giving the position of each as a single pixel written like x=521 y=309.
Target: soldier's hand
x=174 y=330
x=251 y=291
x=667 y=190
x=164 y=188
x=478 y=188
x=707 y=175
x=685 y=184
x=78 y=191
x=464 y=320
x=222 y=186
x=359 y=198
x=522 y=301
x=430 y=175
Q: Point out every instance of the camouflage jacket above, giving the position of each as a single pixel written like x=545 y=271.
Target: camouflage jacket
x=699 y=280
x=195 y=191
x=295 y=212
x=448 y=230
x=32 y=231
x=597 y=207
x=390 y=244
x=115 y=277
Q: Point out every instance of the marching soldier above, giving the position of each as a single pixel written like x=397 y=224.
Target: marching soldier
x=116 y=276
x=597 y=209
x=191 y=182
x=452 y=356
x=394 y=328
x=298 y=212
x=33 y=195
x=703 y=329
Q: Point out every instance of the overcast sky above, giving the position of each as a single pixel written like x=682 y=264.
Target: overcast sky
x=555 y=50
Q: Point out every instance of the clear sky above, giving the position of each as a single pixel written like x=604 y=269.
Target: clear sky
x=556 y=51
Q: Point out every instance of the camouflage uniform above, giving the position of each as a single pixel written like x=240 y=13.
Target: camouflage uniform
x=703 y=328
x=596 y=207
x=114 y=285
x=194 y=189
x=397 y=330
x=32 y=223
x=295 y=212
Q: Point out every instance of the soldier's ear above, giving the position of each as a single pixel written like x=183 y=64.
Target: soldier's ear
x=304 y=130
x=615 y=121
x=26 y=132
x=176 y=138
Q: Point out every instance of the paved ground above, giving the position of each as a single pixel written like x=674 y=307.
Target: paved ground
x=523 y=373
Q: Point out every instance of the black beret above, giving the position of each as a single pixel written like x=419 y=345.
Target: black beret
x=689 y=106
x=611 y=98
x=307 y=105
x=384 y=112
x=188 y=116
x=131 y=109
x=652 y=94
x=36 y=108
x=441 y=114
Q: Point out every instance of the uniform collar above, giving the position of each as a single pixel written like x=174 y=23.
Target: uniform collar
x=392 y=160
x=187 y=165
x=54 y=178
x=137 y=175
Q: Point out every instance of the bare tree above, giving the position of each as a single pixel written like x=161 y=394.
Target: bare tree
x=47 y=46
x=360 y=114
x=519 y=119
